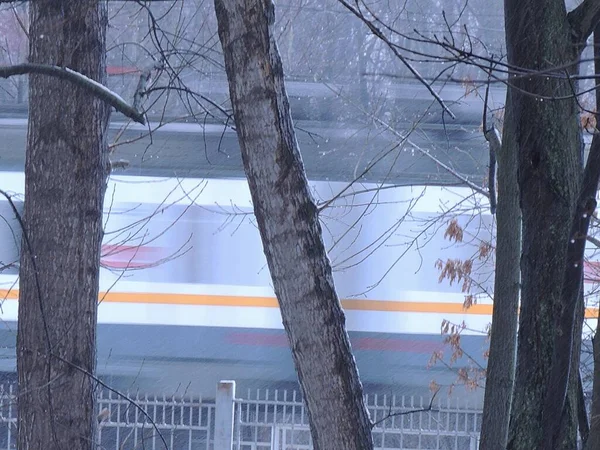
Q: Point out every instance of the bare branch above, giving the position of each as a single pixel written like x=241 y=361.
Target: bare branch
x=405 y=413
x=100 y=91
x=584 y=19
x=493 y=137
x=593 y=240
x=23 y=27
x=141 y=89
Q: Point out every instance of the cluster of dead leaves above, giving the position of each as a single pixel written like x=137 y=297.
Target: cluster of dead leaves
x=456 y=270
x=454 y=231
x=588 y=121
x=471 y=377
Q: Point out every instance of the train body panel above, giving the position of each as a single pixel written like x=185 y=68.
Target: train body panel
x=196 y=242
x=187 y=252
x=185 y=285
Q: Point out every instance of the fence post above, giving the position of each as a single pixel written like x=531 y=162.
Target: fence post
x=224 y=413
x=474 y=442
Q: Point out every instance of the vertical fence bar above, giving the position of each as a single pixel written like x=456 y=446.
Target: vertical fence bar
x=11 y=398
x=191 y=422
x=224 y=415
x=238 y=423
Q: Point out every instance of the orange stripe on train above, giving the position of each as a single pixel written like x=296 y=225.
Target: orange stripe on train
x=271 y=302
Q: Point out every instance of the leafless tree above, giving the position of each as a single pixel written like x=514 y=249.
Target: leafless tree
x=288 y=220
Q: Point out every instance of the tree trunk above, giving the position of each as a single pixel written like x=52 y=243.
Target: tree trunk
x=289 y=225
x=549 y=147
x=569 y=425
x=503 y=340
x=569 y=322
x=65 y=176
x=593 y=441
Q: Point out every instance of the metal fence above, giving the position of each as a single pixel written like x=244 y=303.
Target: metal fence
x=277 y=420
x=261 y=420
x=143 y=422
x=8 y=417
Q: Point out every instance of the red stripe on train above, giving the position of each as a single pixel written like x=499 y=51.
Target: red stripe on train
x=591 y=272
x=366 y=343
x=129 y=256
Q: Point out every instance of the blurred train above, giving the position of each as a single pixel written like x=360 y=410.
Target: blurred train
x=186 y=296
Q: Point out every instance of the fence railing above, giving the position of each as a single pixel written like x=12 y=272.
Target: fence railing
x=261 y=420
x=277 y=420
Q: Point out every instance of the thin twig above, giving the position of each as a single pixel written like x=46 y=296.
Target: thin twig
x=379 y=34
x=114 y=391
x=404 y=139
x=390 y=414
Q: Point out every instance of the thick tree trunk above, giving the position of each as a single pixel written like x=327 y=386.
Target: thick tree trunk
x=66 y=169
x=503 y=340
x=289 y=225
x=569 y=322
x=593 y=440
x=549 y=147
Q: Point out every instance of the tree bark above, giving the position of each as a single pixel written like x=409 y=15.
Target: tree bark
x=65 y=177
x=549 y=147
x=569 y=322
x=289 y=225
x=571 y=420
x=503 y=340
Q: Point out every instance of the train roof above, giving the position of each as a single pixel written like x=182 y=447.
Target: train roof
x=413 y=142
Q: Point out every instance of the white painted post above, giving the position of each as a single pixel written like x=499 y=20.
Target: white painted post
x=224 y=413
x=474 y=442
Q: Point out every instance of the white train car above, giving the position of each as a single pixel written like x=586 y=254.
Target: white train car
x=193 y=245
x=186 y=295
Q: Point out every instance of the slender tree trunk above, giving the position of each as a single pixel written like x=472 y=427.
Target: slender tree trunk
x=570 y=418
x=583 y=422
x=289 y=225
x=593 y=441
x=549 y=147
x=503 y=340
x=65 y=176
